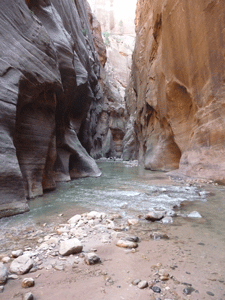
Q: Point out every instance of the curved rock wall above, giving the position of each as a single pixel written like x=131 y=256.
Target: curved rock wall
x=49 y=74
x=176 y=96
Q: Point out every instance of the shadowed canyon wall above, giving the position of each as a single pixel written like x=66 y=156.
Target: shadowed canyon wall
x=176 y=95
x=49 y=96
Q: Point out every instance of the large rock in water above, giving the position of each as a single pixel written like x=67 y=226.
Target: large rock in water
x=49 y=74
x=177 y=88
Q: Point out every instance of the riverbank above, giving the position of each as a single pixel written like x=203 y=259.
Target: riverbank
x=191 y=259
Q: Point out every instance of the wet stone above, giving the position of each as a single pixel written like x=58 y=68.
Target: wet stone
x=156 y=289
x=142 y=284
x=188 y=290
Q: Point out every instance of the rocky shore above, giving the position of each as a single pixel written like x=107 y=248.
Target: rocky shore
x=98 y=256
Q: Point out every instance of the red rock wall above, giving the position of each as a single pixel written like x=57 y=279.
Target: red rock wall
x=177 y=91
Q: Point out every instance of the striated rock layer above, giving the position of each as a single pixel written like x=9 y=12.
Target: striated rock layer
x=49 y=72
x=176 y=96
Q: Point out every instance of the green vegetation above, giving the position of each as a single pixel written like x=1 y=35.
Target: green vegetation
x=106 y=38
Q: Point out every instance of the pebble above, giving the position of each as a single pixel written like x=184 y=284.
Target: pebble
x=210 y=293
x=156 y=289
x=133 y=222
x=132 y=238
x=21 y=265
x=164 y=275
x=6 y=259
x=74 y=219
x=194 y=214
x=155 y=215
x=167 y=220
x=28 y=296
x=92 y=259
x=136 y=281
x=126 y=244
x=27 y=283
x=71 y=246
x=159 y=236
x=17 y=253
x=13 y=277
x=142 y=284
x=188 y=290
x=1 y=288
x=3 y=273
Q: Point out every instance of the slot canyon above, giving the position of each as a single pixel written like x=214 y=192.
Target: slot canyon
x=114 y=106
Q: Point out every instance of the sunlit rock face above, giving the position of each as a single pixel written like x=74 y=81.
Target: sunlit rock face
x=49 y=73
x=117 y=21
x=176 y=94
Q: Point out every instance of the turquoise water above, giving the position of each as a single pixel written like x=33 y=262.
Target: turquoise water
x=122 y=188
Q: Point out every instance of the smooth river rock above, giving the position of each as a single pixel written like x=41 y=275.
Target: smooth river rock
x=126 y=244
x=3 y=274
x=27 y=283
x=21 y=265
x=92 y=259
x=155 y=215
x=28 y=296
x=71 y=246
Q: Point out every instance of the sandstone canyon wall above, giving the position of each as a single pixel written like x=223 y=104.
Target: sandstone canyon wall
x=49 y=96
x=176 y=95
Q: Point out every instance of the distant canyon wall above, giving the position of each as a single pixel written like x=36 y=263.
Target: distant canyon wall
x=176 y=96
x=51 y=99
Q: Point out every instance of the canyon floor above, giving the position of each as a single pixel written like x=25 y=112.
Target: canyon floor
x=193 y=256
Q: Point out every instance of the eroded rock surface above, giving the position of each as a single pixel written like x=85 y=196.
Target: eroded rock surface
x=175 y=98
x=49 y=73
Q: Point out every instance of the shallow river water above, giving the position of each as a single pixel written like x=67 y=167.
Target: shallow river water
x=126 y=189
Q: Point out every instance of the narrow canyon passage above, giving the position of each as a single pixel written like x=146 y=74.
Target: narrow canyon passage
x=112 y=165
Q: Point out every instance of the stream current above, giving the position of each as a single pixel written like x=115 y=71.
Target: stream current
x=128 y=190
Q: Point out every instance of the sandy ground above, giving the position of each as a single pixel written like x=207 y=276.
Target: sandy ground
x=192 y=256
